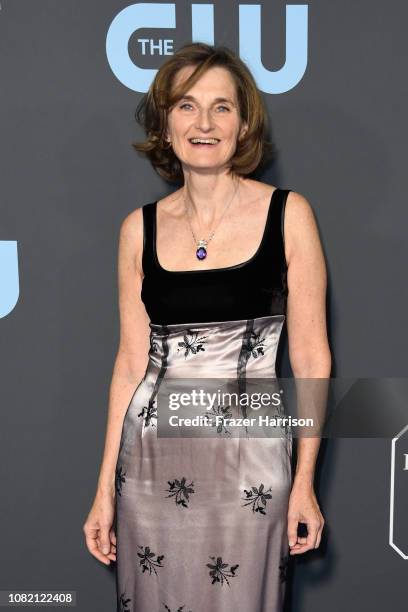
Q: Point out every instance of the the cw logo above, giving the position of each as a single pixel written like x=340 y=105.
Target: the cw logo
x=161 y=15
x=9 y=283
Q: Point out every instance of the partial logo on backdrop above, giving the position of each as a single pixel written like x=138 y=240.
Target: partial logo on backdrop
x=142 y=16
x=9 y=281
x=398 y=532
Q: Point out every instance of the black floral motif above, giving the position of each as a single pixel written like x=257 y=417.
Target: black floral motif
x=147 y=560
x=281 y=414
x=180 y=491
x=123 y=603
x=192 y=343
x=283 y=568
x=219 y=571
x=225 y=413
x=220 y=411
x=258 y=498
x=180 y=609
x=119 y=479
x=255 y=345
x=153 y=345
x=149 y=413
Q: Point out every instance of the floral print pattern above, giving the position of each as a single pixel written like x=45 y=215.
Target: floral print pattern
x=153 y=344
x=192 y=343
x=220 y=411
x=149 y=413
x=123 y=603
x=283 y=568
x=147 y=560
x=257 y=498
x=255 y=345
x=119 y=479
x=220 y=572
x=281 y=414
x=180 y=491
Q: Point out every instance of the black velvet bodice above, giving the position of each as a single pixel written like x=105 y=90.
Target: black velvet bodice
x=254 y=288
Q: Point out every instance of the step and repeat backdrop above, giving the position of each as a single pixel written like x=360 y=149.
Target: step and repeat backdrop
x=332 y=75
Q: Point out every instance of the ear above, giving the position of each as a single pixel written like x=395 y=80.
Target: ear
x=243 y=131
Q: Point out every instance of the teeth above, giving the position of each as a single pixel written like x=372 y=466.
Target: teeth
x=204 y=140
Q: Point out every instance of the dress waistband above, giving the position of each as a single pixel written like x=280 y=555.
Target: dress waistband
x=175 y=328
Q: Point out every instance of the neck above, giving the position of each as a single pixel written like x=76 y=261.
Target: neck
x=207 y=196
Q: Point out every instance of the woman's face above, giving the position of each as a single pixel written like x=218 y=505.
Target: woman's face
x=209 y=110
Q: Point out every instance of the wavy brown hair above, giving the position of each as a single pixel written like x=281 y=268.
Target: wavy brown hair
x=252 y=149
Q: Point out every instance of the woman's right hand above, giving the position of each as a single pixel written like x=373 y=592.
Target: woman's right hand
x=99 y=535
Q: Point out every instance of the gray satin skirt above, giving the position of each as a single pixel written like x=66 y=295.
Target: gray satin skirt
x=201 y=521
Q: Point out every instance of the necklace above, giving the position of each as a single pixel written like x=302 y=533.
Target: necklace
x=201 y=252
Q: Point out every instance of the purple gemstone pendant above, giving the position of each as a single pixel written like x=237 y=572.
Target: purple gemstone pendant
x=201 y=252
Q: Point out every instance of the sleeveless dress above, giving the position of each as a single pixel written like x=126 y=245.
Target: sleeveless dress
x=201 y=522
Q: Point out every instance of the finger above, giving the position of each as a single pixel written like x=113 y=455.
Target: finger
x=112 y=548
x=298 y=551
x=113 y=537
x=304 y=544
x=319 y=536
x=300 y=547
x=111 y=552
x=94 y=550
x=105 y=544
x=310 y=541
x=99 y=544
x=313 y=532
x=292 y=531
x=316 y=530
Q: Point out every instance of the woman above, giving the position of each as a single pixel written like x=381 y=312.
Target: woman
x=208 y=524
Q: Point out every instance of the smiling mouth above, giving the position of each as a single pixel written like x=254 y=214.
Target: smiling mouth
x=204 y=141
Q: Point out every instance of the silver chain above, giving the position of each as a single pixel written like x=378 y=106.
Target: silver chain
x=205 y=242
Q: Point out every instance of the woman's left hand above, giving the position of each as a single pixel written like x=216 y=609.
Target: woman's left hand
x=303 y=508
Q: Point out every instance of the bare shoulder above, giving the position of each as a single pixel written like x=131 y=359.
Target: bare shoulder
x=300 y=226
x=166 y=202
x=131 y=238
x=256 y=190
x=298 y=206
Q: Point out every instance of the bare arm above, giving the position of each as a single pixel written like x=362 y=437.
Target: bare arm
x=309 y=350
x=131 y=359
x=129 y=368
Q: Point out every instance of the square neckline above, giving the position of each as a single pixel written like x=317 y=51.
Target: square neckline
x=243 y=264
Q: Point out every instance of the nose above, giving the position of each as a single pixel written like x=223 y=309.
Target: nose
x=204 y=120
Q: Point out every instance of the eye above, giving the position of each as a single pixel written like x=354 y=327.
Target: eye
x=226 y=107
x=184 y=104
